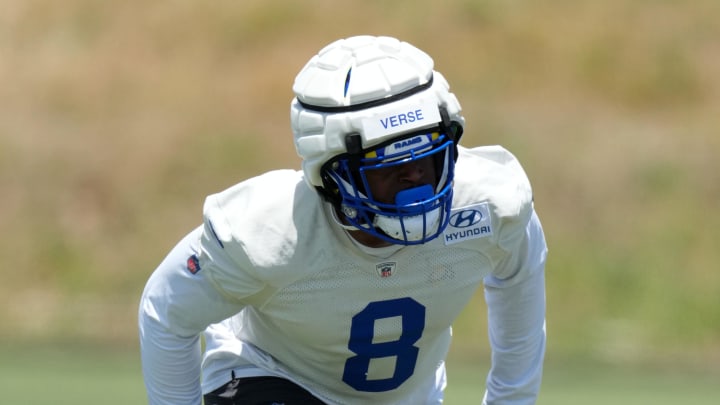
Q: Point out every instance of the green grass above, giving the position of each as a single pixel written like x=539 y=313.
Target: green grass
x=80 y=375
x=593 y=384
x=71 y=376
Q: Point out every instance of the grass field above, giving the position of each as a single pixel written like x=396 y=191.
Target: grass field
x=593 y=384
x=93 y=376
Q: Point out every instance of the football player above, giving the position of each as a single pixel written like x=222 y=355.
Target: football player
x=339 y=283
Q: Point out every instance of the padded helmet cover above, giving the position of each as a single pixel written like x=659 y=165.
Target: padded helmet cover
x=355 y=80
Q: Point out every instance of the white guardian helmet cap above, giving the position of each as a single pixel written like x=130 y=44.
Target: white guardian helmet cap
x=365 y=103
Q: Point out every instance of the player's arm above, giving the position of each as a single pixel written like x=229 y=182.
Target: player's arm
x=178 y=302
x=515 y=296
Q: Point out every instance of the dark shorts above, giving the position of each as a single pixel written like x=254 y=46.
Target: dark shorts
x=261 y=391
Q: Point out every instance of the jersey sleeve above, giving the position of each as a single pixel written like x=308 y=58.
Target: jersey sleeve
x=202 y=281
x=223 y=249
x=205 y=279
x=177 y=304
x=515 y=296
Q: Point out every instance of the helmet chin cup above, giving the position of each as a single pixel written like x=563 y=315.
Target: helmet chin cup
x=413 y=228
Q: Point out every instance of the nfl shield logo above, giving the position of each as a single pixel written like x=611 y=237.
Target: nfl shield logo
x=385 y=269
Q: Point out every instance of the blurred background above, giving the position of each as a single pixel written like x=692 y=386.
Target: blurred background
x=118 y=118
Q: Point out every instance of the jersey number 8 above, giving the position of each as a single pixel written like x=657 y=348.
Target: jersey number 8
x=362 y=331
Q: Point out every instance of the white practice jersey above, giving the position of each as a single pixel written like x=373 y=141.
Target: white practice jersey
x=288 y=293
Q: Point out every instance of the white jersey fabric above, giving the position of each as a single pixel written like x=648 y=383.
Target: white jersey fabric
x=280 y=289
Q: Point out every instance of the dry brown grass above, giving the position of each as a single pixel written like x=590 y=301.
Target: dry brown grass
x=117 y=118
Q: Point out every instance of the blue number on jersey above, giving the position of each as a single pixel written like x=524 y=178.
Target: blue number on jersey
x=361 y=343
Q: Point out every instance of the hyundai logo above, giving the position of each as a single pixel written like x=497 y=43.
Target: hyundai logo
x=465 y=218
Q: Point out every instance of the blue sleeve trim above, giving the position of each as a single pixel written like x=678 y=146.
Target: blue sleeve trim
x=215 y=235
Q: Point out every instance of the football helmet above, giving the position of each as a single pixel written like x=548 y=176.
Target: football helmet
x=367 y=103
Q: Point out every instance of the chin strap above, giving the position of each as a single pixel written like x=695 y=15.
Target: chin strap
x=353 y=145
